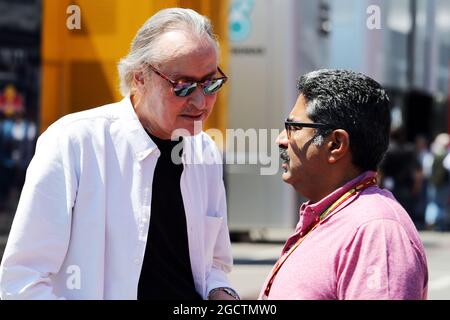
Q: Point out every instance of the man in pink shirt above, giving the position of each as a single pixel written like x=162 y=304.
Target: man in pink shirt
x=353 y=239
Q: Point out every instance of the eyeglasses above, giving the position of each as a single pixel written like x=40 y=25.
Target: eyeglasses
x=184 y=88
x=291 y=126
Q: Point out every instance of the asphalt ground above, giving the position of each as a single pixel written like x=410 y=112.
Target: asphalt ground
x=253 y=261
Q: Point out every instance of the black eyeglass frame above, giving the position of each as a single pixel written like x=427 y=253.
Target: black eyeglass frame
x=190 y=86
x=290 y=125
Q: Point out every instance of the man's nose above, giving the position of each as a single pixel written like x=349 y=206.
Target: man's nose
x=197 y=98
x=282 y=139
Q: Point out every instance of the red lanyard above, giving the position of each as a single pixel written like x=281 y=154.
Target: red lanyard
x=361 y=186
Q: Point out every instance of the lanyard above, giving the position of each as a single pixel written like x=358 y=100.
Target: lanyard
x=361 y=186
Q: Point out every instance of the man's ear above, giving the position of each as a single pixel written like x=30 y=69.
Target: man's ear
x=338 y=144
x=139 y=79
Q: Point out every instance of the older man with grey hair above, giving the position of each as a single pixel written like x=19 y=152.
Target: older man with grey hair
x=110 y=208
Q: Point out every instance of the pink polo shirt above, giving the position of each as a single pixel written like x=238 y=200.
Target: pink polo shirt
x=367 y=248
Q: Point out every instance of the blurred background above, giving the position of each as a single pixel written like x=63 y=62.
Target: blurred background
x=60 y=56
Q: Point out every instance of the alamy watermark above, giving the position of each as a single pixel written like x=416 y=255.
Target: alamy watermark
x=374 y=278
x=73 y=21
x=73 y=281
x=242 y=147
x=373 y=21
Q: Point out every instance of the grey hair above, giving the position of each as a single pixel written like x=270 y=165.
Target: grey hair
x=343 y=99
x=318 y=140
x=143 y=49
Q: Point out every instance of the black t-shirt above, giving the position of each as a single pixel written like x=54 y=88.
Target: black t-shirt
x=166 y=271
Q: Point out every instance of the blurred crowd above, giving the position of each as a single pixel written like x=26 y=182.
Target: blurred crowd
x=418 y=174
x=17 y=142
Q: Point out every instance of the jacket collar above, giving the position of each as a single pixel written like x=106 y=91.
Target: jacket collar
x=143 y=145
x=137 y=137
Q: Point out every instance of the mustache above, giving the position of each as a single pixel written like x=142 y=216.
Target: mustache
x=283 y=155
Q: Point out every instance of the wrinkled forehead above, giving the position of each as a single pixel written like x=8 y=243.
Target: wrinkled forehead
x=179 y=45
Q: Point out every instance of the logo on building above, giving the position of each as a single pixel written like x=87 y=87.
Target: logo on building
x=239 y=23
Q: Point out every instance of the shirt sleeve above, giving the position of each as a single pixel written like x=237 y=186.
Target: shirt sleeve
x=381 y=262
x=40 y=233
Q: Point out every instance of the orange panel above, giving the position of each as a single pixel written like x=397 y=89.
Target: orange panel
x=79 y=66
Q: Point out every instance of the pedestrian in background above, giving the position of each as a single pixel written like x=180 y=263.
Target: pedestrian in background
x=401 y=173
x=439 y=188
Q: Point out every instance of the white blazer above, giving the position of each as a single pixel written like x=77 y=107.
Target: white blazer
x=81 y=226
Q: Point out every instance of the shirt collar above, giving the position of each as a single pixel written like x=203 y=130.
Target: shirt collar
x=143 y=145
x=138 y=138
x=310 y=213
